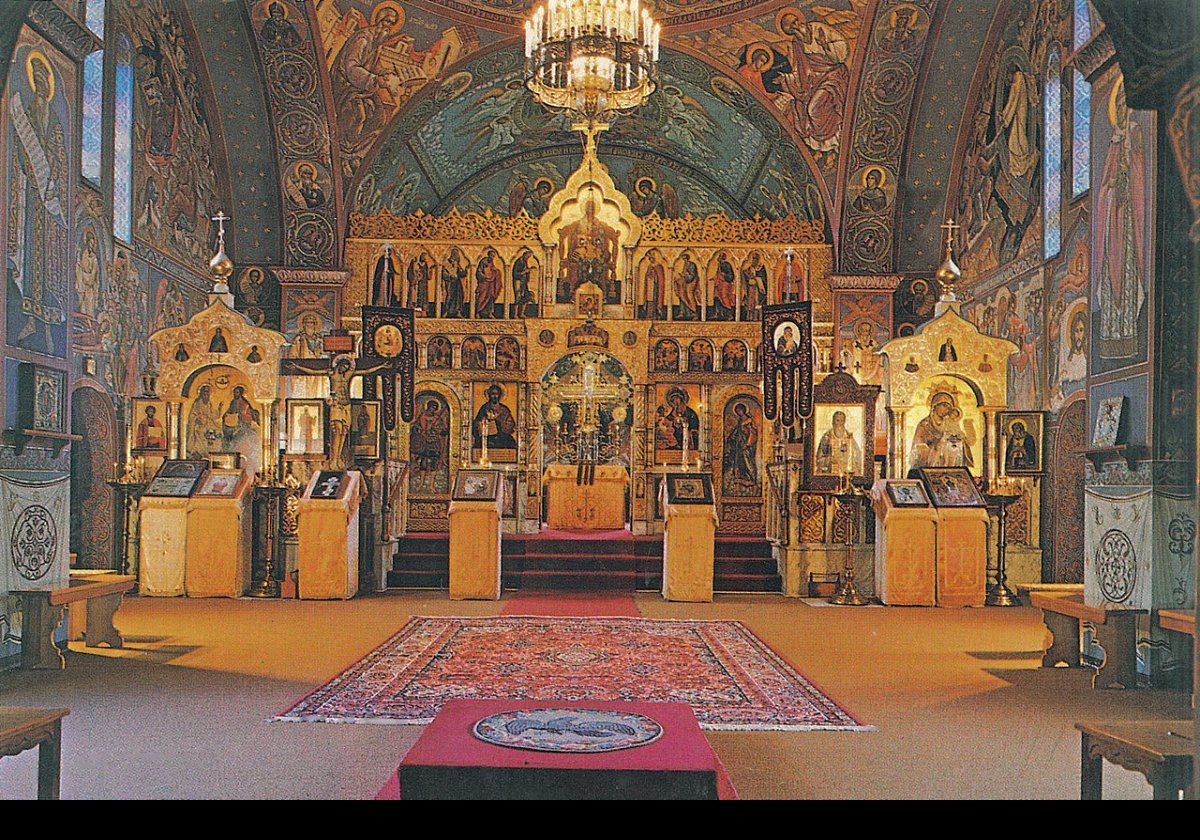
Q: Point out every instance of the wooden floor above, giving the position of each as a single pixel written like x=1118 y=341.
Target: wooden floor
x=961 y=707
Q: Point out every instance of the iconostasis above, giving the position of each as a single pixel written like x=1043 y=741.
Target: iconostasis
x=514 y=313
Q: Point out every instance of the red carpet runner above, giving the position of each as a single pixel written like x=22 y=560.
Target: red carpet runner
x=591 y=604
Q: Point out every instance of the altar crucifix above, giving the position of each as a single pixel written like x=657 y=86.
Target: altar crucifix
x=590 y=392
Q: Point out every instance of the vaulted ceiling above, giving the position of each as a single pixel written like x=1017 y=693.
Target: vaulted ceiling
x=888 y=83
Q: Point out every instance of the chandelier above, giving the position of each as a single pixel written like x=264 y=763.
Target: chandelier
x=591 y=58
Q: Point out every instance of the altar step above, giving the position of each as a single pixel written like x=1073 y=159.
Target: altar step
x=626 y=564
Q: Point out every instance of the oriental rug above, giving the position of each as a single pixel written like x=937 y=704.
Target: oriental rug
x=729 y=676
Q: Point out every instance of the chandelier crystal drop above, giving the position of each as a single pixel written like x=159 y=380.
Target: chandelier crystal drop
x=592 y=59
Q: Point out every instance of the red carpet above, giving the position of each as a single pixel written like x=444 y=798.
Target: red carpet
x=594 y=604
x=587 y=536
x=729 y=676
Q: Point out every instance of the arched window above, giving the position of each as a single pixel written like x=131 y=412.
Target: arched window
x=1083 y=24
x=122 y=183
x=1052 y=158
x=1081 y=135
x=93 y=15
x=92 y=137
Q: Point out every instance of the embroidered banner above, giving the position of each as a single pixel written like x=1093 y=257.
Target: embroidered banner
x=35 y=514
x=787 y=361
x=1117 y=550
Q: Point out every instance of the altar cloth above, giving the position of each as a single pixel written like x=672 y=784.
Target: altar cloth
x=449 y=762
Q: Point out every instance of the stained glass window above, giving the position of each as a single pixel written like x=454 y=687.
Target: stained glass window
x=1081 y=135
x=123 y=142
x=1052 y=158
x=93 y=115
x=94 y=16
x=1083 y=24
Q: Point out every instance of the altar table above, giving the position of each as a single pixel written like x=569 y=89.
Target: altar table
x=594 y=505
x=449 y=762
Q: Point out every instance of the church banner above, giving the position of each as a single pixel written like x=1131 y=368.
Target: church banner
x=1117 y=540
x=34 y=517
x=389 y=334
x=787 y=362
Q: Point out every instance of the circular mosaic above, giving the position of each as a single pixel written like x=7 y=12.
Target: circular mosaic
x=34 y=542
x=1116 y=566
x=629 y=339
x=546 y=338
x=567 y=730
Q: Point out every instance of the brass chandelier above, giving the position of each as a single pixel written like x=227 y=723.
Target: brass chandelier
x=592 y=59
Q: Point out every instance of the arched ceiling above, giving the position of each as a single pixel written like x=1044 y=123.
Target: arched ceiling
x=478 y=140
x=767 y=107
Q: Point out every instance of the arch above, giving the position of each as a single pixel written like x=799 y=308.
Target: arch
x=420 y=281
x=735 y=356
x=722 y=282
x=473 y=353
x=665 y=358
x=455 y=285
x=489 y=285
x=739 y=445
x=508 y=353
x=93 y=502
x=1066 y=495
x=431 y=440
x=499 y=57
x=525 y=285
x=439 y=353
x=1052 y=157
x=700 y=356
x=754 y=280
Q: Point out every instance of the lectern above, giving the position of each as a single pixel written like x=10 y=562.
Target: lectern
x=163 y=522
x=218 y=544
x=962 y=523
x=689 y=537
x=905 y=543
x=475 y=511
x=327 y=533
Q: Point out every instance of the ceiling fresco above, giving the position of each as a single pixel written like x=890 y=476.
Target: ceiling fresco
x=702 y=142
x=669 y=12
x=798 y=58
x=848 y=111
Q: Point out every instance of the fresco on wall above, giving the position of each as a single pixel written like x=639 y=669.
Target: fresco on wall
x=1067 y=323
x=481 y=142
x=93 y=256
x=799 y=60
x=864 y=325
x=999 y=200
x=378 y=57
x=40 y=174
x=1014 y=312
x=1121 y=220
x=175 y=186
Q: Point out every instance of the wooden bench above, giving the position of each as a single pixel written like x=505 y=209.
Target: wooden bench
x=1161 y=750
x=1026 y=590
x=24 y=729
x=1180 y=621
x=42 y=611
x=1116 y=635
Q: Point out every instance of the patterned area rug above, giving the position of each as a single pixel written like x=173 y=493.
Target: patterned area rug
x=731 y=678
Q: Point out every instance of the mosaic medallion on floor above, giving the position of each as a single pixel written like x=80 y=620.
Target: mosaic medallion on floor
x=731 y=678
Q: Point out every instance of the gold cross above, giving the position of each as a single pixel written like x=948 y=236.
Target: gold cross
x=951 y=229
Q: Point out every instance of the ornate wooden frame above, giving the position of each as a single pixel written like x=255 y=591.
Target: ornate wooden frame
x=841 y=388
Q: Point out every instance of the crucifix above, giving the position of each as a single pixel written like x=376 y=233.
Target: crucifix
x=949 y=273
x=220 y=265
